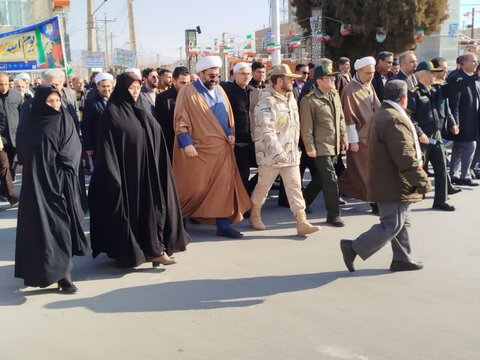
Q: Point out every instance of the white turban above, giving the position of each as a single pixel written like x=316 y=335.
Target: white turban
x=103 y=76
x=239 y=66
x=22 y=76
x=208 y=62
x=135 y=71
x=361 y=63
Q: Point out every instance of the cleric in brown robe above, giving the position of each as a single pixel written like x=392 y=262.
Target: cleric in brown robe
x=359 y=102
x=204 y=166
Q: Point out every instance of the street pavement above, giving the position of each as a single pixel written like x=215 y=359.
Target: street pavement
x=271 y=295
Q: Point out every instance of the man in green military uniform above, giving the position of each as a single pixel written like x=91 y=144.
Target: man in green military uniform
x=430 y=114
x=324 y=135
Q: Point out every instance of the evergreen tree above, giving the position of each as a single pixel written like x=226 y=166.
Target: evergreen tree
x=399 y=18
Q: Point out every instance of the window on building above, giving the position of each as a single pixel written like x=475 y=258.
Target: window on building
x=14 y=13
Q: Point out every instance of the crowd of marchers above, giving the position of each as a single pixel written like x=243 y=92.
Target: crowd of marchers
x=162 y=147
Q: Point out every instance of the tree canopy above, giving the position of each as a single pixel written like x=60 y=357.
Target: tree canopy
x=399 y=18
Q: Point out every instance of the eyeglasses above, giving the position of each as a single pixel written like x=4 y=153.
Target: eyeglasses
x=305 y=72
x=212 y=76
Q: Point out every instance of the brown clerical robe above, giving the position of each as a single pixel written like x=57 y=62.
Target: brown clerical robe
x=209 y=186
x=359 y=102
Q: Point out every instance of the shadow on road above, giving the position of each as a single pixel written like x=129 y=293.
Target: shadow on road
x=7 y=246
x=205 y=294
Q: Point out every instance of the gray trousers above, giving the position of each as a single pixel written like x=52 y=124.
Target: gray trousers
x=393 y=227
x=462 y=157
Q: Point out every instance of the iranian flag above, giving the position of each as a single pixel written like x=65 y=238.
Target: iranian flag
x=295 y=42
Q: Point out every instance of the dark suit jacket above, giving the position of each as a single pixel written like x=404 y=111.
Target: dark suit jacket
x=401 y=76
x=92 y=114
x=463 y=98
x=164 y=110
x=10 y=105
x=144 y=92
x=377 y=83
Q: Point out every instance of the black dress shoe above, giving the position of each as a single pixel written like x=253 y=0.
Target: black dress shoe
x=453 y=190
x=348 y=254
x=469 y=182
x=335 y=221
x=444 y=207
x=477 y=174
x=375 y=210
x=457 y=181
x=66 y=287
x=405 y=266
x=231 y=233
x=13 y=200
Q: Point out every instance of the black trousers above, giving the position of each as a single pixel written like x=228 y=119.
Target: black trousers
x=435 y=153
x=11 y=153
x=245 y=156
x=6 y=183
x=325 y=180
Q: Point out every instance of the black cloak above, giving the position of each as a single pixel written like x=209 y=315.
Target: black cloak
x=134 y=208
x=50 y=214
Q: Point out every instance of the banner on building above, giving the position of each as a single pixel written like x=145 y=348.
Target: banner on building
x=93 y=59
x=33 y=48
x=125 y=58
x=453 y=30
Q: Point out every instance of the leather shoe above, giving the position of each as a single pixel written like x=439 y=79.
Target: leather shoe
x=230 y=232
x=405 y=266
x=348 y=254
x=477 y=174
x=457 y=181
x=469 y=182
x=444 y=207
x=335 y=221
x=453 y=190
x=66 y=287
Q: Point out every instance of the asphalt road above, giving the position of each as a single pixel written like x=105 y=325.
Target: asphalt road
x=271 y=295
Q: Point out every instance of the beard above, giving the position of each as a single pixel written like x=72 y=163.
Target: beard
x=210 y=84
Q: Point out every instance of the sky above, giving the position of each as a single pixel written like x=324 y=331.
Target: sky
x=160 y=24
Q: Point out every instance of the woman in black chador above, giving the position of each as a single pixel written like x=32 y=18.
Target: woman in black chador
x=50 y=215
x=134 y=211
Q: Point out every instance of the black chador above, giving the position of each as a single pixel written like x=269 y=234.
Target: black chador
x=135 y=214
x=50 y=214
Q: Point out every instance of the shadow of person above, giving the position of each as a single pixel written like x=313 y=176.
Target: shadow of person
x=7 y=245
x=9 y=287
x=205 y=294
x=104 y=268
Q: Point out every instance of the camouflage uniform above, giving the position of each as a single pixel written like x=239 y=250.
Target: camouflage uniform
x=276 y=136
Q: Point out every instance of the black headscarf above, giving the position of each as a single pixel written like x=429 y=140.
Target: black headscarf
x=39 y=104
x=121 y=94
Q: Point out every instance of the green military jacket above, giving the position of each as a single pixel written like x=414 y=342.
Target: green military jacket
x=322 y=124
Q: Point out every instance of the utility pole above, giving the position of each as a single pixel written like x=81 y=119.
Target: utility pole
x=90 y=29
x=111 y=47
x=276 y=55
x=473 y=24
x=105 y=29
x=131 y=25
